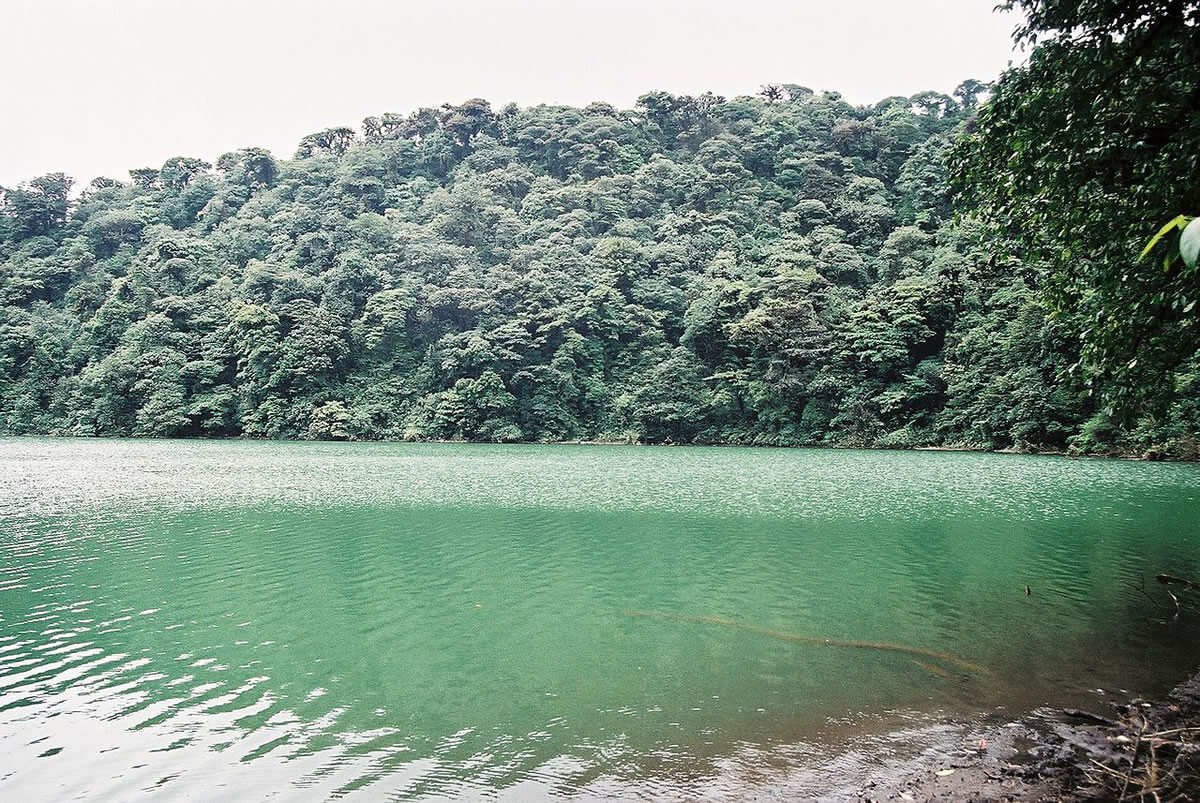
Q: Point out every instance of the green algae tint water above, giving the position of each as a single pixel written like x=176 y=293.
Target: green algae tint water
x=397 y=620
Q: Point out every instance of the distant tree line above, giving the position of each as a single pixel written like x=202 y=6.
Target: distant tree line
x=783 y=269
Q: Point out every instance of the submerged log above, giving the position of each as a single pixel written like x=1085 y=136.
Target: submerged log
x=933 y=669
x=886 y=646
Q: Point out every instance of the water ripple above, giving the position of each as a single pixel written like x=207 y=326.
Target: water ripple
x=449 y=621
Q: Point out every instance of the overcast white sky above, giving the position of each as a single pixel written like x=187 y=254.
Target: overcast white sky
x=96 y=87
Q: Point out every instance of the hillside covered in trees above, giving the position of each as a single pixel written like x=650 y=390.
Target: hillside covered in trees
x=780 y=269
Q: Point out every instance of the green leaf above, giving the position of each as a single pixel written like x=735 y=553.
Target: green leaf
x=1178 y=222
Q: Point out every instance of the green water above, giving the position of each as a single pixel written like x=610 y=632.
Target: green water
x=303 y=620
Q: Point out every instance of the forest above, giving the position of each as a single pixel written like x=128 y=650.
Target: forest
x=785 y=268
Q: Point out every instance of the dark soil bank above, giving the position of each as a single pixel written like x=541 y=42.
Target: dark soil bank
x=1137 y=750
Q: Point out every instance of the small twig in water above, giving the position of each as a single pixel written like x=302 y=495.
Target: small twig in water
x=1175 y=599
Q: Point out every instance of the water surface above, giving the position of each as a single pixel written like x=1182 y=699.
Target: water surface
x=401 y=620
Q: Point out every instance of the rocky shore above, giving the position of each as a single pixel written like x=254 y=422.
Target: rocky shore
x=1135 y=750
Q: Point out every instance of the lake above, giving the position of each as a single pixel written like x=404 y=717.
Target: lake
x=303 y=620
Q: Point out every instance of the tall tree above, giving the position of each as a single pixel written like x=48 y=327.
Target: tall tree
x=1080 y=155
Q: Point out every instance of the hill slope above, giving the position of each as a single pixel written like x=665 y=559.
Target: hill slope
x=773 y=270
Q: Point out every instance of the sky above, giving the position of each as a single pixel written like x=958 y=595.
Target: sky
x=97 y=87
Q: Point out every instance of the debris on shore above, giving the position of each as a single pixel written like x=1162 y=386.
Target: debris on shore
x=1140 y=750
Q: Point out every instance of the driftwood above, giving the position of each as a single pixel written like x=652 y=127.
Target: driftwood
x=1088 y=716
x=945 y=658
x=1154 y=765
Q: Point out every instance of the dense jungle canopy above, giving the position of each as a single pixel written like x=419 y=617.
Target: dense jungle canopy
x=779 y=269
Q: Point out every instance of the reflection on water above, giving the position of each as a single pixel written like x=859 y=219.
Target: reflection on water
x=425 y=620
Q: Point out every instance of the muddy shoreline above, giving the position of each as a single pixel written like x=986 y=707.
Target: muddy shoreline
x=1131 y=749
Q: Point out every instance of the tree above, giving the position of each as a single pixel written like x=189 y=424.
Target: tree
x=328 y=422
x=253 y=168
x=1081 y=177
x=335 y=141
x=179 y=171
x=771 y=92
x=672 y=404
x=37 y=207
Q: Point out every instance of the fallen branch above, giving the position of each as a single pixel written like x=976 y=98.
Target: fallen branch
x=1141 y=589
x=1160 y=734
x=1167 y=579
x=1087 y=716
